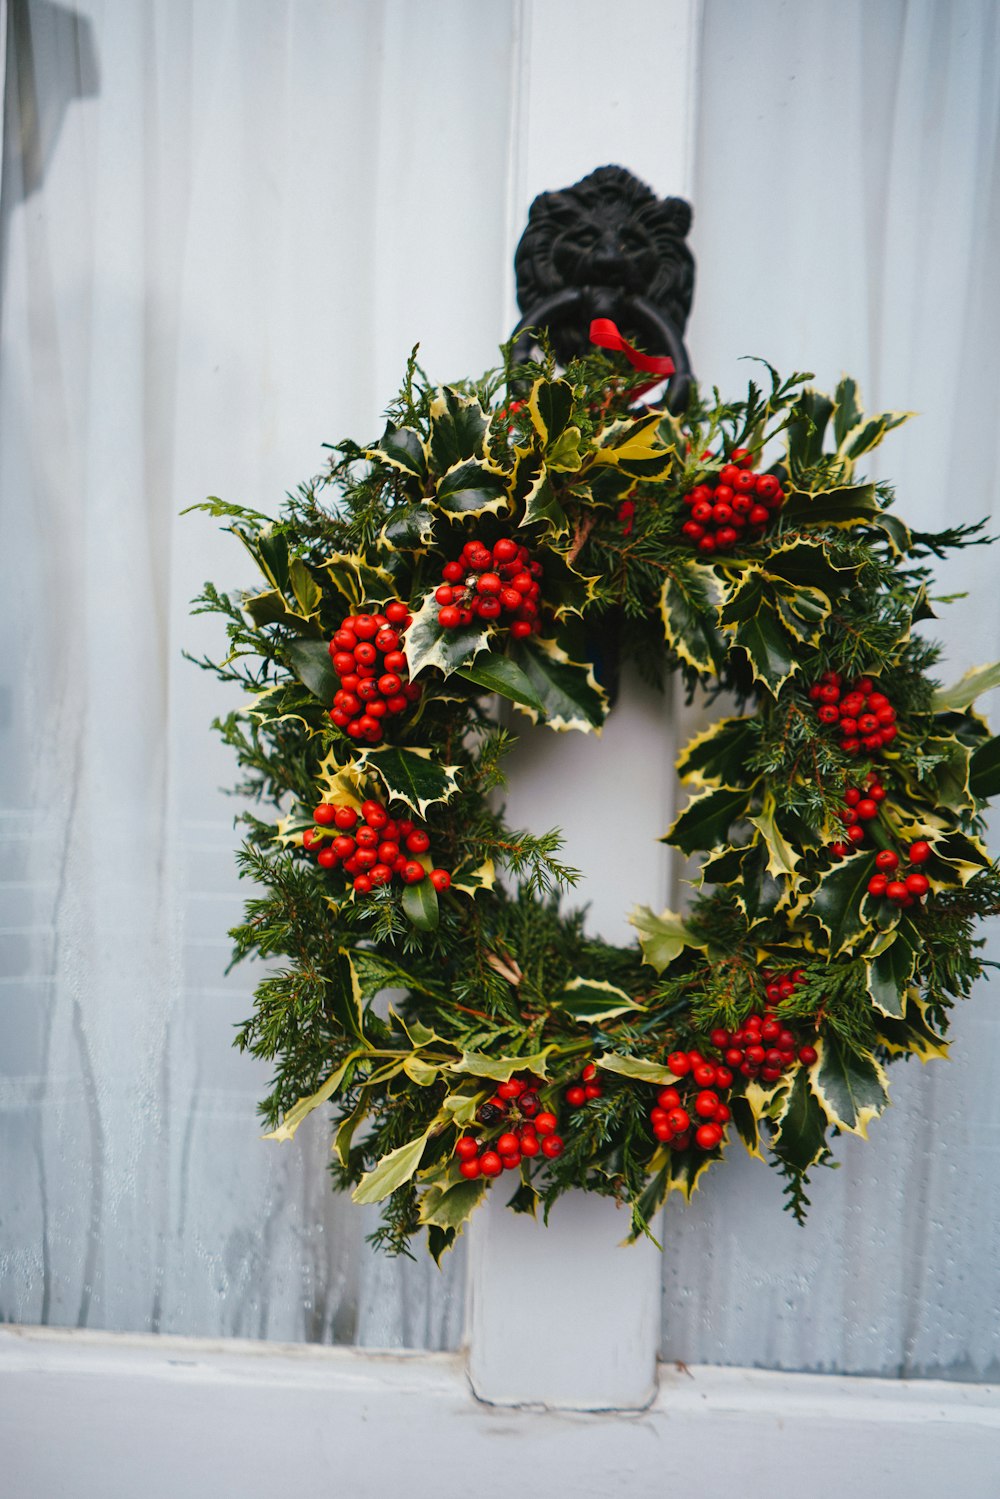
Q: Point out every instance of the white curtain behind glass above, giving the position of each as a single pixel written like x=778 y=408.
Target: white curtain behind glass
x=847 y=218
x=230 y=224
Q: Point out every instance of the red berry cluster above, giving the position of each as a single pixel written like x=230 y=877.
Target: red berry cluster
x=736 y=506
x=371 y=848
x=860 y=807
x=528 y=1130
x=501 y=584
x=865 y=717
x=367 y=656
x=585 y=1088
x=903 y=889
x=671 y=1116
x=763 y=1046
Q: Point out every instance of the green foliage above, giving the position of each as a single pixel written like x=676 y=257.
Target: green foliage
x=493 y=977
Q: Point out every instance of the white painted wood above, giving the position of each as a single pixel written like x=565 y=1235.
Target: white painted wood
x=100 y=1416
x=562 y=1316
x=566 y=1316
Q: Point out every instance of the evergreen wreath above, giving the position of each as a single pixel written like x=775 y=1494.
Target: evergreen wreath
x=485 y=550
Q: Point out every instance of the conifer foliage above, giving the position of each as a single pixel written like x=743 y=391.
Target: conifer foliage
x=484 y=551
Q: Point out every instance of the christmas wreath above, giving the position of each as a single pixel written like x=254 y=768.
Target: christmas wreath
x=495 y=552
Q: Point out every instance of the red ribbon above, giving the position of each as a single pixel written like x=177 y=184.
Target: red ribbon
x=604 y=333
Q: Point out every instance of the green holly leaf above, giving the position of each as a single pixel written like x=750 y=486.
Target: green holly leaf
x=565 y=590
x=636 y=1067
x=305 y=1106
x=781 y=857
x=635 y=446
x=719 y=753
x=847 y=505
x=807 y=564
x=502 y=675
x=759 y=893
x=307 y=591
x=409 y=529
x=344 y=993
x=412 y=776
x=502 y=1069
x=750 y=617
x=963 y=693
x=913 y=1034
x=687 y=608
x=869 y=432
x=662 y=938
x=801 y=1138
x=420 y=905
x=838 y=899
x=542 y=508
x=458 y=429
x=746 y=1124
x=393 y=1170
x=451 y=1206
x=471 y=488
x=310 y=661
x=847 y=409
x=984 y=770
x=706 y=820
x=426 y=644
x=272 y=608
x=568 y=690
x=402 y=449
x=591 y=1000
x=889 y=972
x=359 y=581
x=852 y=1088
x=806 y=429
x=550 y=406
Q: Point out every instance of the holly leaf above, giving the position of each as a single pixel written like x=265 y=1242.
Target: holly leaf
x=403 y=449
x=852 y=1088
x=719 y=753
x=687 y=609
x=550 y=406
x=458 y=429
x=635 y=446
x=963 y=693
x=591 y=1000
x=426 y=644
x=471 y=879
x=307 y=591
x=344 y=993
x=746 y=1124
x=806 y=429
x=565 y=590
x=889 y=972
x=502 y=1069
x=838 y=900
x=420 y=905
x=310 y=661
x=636 y=1067
x=451 y=1206
x=801 y=1138
x=305 y=1106
x=869 y=432
x=568 y=690
x=984 y=770
x=502 y=675
x=542 y=508
x=272 y=608
x=412 y=776
x=393 y=1170
x=758 y=892
x=662 y=938
x=749 y=616
x=409 y=529
x=471 y=488
x=706 y=820
x=781 y=857
x=847 y=505
x=847 y=409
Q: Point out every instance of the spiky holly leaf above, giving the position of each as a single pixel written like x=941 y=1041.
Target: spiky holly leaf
x=806 y=429
x=956 y=857
x=343 y=992
x=984 y=770
x=706 y=820
x=307 y=591
x=637 y=1067
x=409 y=529
x=719 y=753
x=359 y=580
x=541 y=507
x=636 y=448
x=567 y=689
x=426 y=644
x=851 y=1087
x=472 y=488
x=848 y=411
x=550 y=406
x=412 y=776
x=458 y=429
x=759 y=894
x=565 y=590
x=751 y=620
x=746 y=1124
x=801 y=1138
x=401 y=448
x=305 y=1106
x=470 y=878
x=912 y=1034
x=591 y=1000
x=848 y=505
x=868 y=432
x=310 y=661
x=502 y=1069
x=807 y=565
x=272 y=608
x=838 y=899
x=963 y=693
x=687 y=608
x=394 y=1169
x=500 y=674
x=451 y=1206
x=662 y=938
x=890 y=968
x=781 y=857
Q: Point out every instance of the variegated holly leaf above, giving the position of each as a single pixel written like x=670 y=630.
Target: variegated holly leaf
x=458 y=429
x=409 y=529
x=393 y=1170
x=889 y=968
x=272 y=608
x=719 y=753
x=848 y=505
x=801 y=1138
x=781 y=857
x=565 y=590
x=358 y=580
x=343 y=991
x=805 y=429
x=636 y=447
x=426 y=644
x=852 y=1088
x=746 y=1124
x=759 y=893
x=636 y=1067
x=310 y=661
x=663 y=938
x=403 y=449
x=868 y=432
x=451 y=1205
x=500 y=674
x=963 y=693
x=570 y=695
x=956 y=858
x=802 y=564
x=341 y=783
x=592 y=1000
x=412 y=776
x=501 y=1069
x=541 y=507
x=838 y=899
x=564 y=456
x=550 y=406
x=472 y=488
x=706 y=820
x=984 y=770
x=750 y=619
x=470 y=879
x=912 y=1033
x=687 y=608
x=305 y=1106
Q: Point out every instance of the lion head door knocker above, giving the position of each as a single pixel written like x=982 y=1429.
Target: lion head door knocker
x=607 y=247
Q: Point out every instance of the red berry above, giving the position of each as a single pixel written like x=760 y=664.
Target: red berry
x=719 y=1039
x=362 y=884
x=706 y=1104
x=679 y=1063
x=867 y=809
x=507 y=1144
x=552 y=1146
x=380 y=873
x=490 y=1163
x=856 y=834
x=668 y=1098
x=418 y=842
x=396 y=612
x=546 y=1123
x=878 y=884
x=708 y=1136
x=852 y=796
x=920 y=852
x=389 y=685
x=440 y=879
x=327 y=859
x=886 y=860
x=589 y=1073
x=366 y=837
x=510 y=1089
x=412 y=872
x=807 y=1055
x=704 y=1074
x=388 y=852
x=466 y=1147
x=896 y=890
x=838 y=850
x=448 y=618
x=916 y=884
x=343 y=846
x=366 y=859
x=575 y=1096
x=530 y=1145
x=593 y=1090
